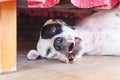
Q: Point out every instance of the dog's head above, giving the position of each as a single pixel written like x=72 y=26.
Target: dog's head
x=58 y=40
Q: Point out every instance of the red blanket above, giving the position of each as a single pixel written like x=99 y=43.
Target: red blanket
x=42 y=3
x=103 y=4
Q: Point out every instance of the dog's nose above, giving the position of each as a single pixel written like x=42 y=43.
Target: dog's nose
x=60 y=43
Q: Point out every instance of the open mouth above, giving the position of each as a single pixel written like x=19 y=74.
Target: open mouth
x=70 y=52
x=71 y=47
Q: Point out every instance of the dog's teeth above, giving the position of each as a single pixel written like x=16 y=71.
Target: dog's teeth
x=74 y=44
x=70 y=51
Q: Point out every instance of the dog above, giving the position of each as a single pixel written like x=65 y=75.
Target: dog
x=98 y=34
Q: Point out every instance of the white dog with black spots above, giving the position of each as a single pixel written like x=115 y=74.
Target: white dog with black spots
x=98 y=34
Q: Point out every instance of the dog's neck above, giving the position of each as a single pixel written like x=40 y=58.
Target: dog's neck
x=88 y=38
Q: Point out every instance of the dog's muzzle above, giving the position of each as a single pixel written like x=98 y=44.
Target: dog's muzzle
x=68 y=48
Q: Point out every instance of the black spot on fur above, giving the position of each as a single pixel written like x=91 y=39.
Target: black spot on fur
x=39 y=57
x=51 y=30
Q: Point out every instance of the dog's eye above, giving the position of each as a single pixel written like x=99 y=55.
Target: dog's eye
x=48 y=51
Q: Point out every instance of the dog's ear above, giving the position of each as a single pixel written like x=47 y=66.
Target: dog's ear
x=50 y=30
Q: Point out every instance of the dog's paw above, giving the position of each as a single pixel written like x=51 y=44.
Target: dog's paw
x=33 y=55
